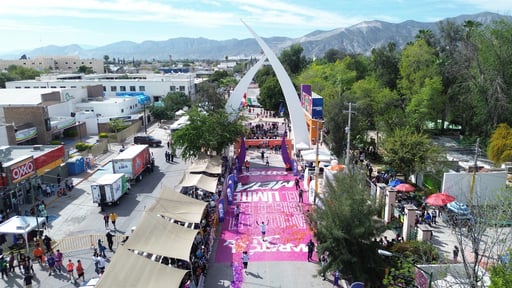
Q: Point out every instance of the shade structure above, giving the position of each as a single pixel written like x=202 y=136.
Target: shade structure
x=158 y=236
x=209 y=165
x=128 y=269
x=200 y=181
x=179 y=207
x=405 y=187
x=302 y=145
x=439 y=199
x=22 y=225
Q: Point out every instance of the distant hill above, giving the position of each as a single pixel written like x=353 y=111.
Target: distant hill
x=359 y=38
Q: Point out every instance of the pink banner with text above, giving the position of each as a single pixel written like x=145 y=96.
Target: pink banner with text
x=267 y=195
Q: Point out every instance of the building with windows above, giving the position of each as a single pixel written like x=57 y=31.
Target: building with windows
x=67 y=64
x=156 y=86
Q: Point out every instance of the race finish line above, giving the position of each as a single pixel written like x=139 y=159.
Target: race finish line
x=265 y=194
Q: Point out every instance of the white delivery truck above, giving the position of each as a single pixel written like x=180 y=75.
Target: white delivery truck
x=109 y=188
x=132 y=162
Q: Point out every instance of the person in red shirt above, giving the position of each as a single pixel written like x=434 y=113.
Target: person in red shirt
x=70 y=267
x=79 y=270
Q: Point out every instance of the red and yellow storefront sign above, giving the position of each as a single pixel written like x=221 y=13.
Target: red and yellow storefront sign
x=22 y=170
x=49 y=160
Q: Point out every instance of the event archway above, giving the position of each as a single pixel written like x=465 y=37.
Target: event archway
x=297 y=119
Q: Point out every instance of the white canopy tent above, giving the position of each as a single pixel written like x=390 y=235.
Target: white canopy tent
x=200 y=181
x=21 y=225
x=128 y=269
x=212 y=165
x=321 y=157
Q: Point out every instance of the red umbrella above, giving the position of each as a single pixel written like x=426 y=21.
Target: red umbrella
x=439 y=199
x=405 y=187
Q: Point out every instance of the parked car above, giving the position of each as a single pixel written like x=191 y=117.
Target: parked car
x=147 y=140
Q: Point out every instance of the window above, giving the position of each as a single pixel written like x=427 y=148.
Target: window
x=113 y=88
x=173 y=88
x=132 y=89
x=182 y=88
x=53 y=86
x=122 y=88
x=75 y=87
x=122 y=110
x=62 y=86
x=142 y=88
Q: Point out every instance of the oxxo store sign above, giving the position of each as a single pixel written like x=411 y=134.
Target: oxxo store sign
x=22 y=170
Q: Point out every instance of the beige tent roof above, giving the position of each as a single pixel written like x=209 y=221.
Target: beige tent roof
x=158 y=236
x=128 y=269
x=177 y=206
x=199 y=180
x=212 y=165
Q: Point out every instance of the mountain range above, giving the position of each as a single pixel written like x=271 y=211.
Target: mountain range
x=359 y=38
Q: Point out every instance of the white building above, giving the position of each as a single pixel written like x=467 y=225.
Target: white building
x=55 y=63
x=156 y=86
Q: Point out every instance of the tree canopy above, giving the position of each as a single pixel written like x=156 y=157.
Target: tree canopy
x=346 y=227
x=210 y=131
x=500 y=145
x=409 y=152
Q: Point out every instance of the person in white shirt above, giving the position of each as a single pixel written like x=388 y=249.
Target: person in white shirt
x=263 y=228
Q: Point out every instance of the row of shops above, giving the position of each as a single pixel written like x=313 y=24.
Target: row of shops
x=25 y=168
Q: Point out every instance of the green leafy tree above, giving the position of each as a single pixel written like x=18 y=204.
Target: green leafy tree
x=271 y=95
x=409 y=152
x=501 y=274
x=23 y=73
x=160 y=113
x=384 y=64
x=175 y=101
x=420 y=85
x=293 y=60
x=117 y=125
x=492 y=74
x=332 y=55
x=345 y=226
x=218 y=75
x=454 y=65
x=5 y=77
x=209 y=96
x=500 y=145
x=211 y=131
x=85 y=69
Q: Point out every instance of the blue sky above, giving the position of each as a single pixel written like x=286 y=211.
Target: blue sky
x=28 y=24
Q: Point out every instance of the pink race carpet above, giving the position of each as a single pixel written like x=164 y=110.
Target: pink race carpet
x=265 y=194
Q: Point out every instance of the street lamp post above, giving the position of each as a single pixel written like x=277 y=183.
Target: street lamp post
x=390 y=254
x=144 y=120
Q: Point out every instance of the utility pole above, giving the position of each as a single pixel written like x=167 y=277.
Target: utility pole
x=473 y=176
x=347 y=130
x=317 y=163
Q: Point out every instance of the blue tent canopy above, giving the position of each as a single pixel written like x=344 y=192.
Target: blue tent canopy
x=396 y=182
x=141 y=97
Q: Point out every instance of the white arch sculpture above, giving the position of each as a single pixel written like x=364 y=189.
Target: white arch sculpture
x=297 y=119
